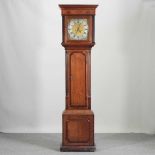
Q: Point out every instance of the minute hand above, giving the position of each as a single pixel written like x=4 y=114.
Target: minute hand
x=78 y=28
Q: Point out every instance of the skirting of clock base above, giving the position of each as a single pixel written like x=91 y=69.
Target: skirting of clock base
x=77 y=148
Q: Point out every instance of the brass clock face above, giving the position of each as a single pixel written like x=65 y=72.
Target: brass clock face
x=78 y=29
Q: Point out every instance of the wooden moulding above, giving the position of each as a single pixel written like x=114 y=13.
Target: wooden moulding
x=78 y=9
x=77 y=148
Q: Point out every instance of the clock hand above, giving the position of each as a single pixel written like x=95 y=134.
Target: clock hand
x=78 y=28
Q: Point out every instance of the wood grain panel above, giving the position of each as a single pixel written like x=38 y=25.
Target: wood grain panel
x=78 y=79
x=78 y=130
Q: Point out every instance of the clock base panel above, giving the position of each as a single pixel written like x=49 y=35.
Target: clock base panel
x=78 y=131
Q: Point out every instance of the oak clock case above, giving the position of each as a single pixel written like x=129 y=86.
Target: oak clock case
x=78 y=39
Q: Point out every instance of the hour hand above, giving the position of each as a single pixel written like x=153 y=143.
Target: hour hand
x=78 y=28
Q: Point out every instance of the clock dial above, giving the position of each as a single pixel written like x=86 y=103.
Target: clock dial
x=78 y=29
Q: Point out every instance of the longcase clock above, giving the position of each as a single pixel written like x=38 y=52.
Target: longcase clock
x=78 y=39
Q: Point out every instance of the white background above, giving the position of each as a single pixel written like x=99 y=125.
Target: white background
x=32 y=66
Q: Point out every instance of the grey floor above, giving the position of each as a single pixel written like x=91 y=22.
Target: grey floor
x=48 y=144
